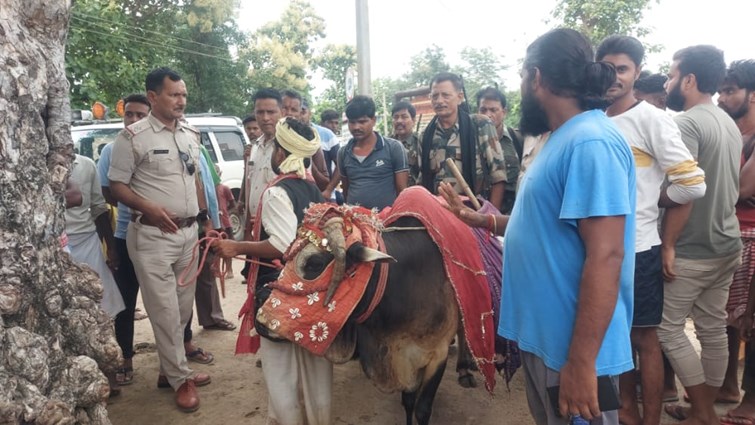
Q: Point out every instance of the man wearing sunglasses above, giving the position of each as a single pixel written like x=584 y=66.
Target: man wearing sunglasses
x=154 y=171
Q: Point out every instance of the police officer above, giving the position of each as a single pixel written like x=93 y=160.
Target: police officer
x=154 y=171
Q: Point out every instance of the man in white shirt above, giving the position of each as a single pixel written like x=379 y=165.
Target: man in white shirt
x=659 y=154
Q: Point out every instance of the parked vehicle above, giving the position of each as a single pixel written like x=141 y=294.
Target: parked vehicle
x=222 y=136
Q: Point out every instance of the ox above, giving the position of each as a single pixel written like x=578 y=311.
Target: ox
x=403 y=344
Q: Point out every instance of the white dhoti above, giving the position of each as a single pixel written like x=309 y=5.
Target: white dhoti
x=288 y=368
x=85 y=248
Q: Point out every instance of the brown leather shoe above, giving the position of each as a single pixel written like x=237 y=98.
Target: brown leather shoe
x=187 y=398
x=200 y=380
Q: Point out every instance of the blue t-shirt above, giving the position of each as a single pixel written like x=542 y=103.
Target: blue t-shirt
x=585 y=170
x=124 y=213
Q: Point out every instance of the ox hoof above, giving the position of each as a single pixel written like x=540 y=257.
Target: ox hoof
x=467 y=381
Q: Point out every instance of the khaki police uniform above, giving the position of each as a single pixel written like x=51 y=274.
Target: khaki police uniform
x=147 y=158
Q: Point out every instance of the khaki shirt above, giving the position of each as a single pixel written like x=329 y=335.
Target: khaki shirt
x=146 y=157
x=260 y=172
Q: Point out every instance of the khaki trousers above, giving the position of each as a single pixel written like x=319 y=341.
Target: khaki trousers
x=287 y=367
x=207 y=296
x=159 y=258
x=700 y=291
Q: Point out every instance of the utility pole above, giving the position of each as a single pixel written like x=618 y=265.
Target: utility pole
x=364 y=80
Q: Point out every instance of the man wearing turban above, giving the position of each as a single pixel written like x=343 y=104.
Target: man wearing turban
x=287 y=367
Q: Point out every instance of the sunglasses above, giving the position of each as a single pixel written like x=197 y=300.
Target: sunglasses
x=187 y=162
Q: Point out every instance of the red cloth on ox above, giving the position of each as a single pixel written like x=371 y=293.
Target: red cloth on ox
x=464 y=268
x=296 y=309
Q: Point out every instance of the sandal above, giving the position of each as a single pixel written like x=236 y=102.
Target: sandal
x=200 y=356
x=676 y=411
x=222 y=325
x=124 y=375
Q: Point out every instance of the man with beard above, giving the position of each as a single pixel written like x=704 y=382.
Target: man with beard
x=736 y=96
x=568 y=302
x=288 y=369
x=659 y=154
x=471 y=140
x=700 y=257
x=404 y=114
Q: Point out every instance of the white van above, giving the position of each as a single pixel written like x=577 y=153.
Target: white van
x=222 y=136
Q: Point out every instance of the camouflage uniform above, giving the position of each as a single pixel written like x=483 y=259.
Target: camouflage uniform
x=512 y=171
x=446 y=144
x=411 y=145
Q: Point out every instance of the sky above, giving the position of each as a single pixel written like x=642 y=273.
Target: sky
x=400 y=29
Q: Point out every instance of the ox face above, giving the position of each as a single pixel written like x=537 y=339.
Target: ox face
x=312 y=261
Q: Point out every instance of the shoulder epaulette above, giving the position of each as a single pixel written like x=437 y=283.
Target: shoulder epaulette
x=190 y=127
x=137 y=127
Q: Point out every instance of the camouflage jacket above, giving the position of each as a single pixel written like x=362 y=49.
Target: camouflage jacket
x=511 y=158
x=490 y=168
x=411 y=145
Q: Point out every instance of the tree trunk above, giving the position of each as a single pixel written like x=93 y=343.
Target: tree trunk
x=54 y=338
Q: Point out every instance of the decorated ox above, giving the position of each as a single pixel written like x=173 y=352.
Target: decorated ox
x=392 y=291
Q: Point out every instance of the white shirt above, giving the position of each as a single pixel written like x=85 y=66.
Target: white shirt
x=81 y=219
x=278 y=218
x=659 y=152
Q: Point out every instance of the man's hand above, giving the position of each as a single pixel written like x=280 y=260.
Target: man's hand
x=225 y=248
x=162 y=218
x=668 y=255
x=745 y=326
x=579 y=390
x=456 y=206
x=113 y=261
x=247 y=152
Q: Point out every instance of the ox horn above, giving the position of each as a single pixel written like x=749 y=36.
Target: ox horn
x=333 y=230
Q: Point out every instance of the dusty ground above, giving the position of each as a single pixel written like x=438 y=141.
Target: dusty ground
x=237 y=392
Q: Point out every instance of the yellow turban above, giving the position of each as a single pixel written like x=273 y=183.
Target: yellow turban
x=298 y=147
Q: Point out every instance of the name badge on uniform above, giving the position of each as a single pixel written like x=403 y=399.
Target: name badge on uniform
x=160 y=151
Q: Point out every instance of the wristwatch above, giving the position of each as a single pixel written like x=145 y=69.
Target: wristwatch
x=202 y=216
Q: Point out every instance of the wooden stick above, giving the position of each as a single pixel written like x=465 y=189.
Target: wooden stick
x=464 y=186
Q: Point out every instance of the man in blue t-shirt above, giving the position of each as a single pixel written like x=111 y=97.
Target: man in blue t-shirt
x=567 y=283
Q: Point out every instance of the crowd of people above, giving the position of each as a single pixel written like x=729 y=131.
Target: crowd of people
x=620 y=222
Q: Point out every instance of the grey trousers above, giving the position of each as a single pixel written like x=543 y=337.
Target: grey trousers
x=538 y=377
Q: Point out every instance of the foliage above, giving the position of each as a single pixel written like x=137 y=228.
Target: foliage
x=599 y=19
x=279 y=52
x=425 y=64
x=112 y=45
x=333 y=62
x=481 y=68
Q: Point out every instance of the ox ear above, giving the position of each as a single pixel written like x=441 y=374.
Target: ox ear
x=359 y=253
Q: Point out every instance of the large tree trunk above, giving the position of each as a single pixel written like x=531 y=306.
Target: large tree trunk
x=53 y=335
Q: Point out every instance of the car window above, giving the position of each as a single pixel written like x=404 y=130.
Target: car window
x=89 y=143
x=208 y=145
x=231 y=145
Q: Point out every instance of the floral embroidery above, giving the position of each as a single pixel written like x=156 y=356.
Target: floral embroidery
x=332 y=306
x=297 y=336
x=319 y=332
x=298 y=286
x=275 y=302
x=274 y=324
x=294 y=313
x=313 y=298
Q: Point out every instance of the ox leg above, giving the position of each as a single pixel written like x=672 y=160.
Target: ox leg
x=408 y=399
x=424 y=406
x=464 y=362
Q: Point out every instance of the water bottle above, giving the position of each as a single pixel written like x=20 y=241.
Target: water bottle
x=578 y=420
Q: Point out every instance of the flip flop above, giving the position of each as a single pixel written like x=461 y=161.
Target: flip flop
x=200 y=356
x=718 y=400
x=737 y=420
x=676 y=411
